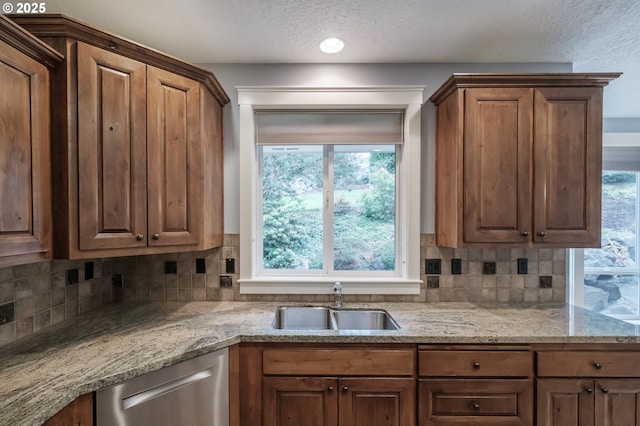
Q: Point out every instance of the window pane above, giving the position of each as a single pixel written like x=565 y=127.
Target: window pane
x=292 y=207
x=619 y=213
x=611 y=294
x=364 y=208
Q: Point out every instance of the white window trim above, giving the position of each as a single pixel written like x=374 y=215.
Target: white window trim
x=575 y=257
x=410 y=99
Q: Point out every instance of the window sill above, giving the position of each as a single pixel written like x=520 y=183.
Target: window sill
x=310 y=285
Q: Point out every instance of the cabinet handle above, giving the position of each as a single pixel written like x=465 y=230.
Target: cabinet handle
x=345 y=389
x=597 y=366
x=588 y=390
x=330 y=389
x=525 y=233
x=156 y=236
x=476 y=365
x=139 y=237
x=475 y=405
x=542 y=233
x=605 y=390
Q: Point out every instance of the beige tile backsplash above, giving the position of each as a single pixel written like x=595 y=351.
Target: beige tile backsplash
x=40 y=297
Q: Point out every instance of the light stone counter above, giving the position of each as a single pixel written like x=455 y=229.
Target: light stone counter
x=40 y=376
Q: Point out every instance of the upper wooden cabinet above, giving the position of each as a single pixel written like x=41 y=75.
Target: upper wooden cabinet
x=25 y=192
x=519 y=160
x=137 y=146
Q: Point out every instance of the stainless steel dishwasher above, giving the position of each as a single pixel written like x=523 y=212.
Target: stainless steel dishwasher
x=191 y=393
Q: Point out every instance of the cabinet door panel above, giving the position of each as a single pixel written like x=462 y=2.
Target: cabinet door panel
x=568 y=165
x=111 y=150
x=617 y=402
x=25 y=215
x=565 y=402
x=377 y=401
x=295 y=401
x=497 y=194
x=175 y=161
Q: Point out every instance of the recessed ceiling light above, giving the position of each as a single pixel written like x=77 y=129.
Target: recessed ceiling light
x=332 y=45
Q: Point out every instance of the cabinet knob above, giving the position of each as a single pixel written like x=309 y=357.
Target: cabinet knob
x=588 y=390
x=345 y=389
x=542 y=233
x=525 y=233
x=156 y=236
x=605 y=390
x=597 y=366
x=475 y=405
x=476 y=365
x=139 y=237
x=330 y=389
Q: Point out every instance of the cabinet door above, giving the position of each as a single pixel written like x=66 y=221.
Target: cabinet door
x=565 y=402
x=377 y=401
x=497 y=165
x=25 y=194
x=111 y=150
x=175 y=161
x=568 y=166
x=617 y=402
x=295 y=401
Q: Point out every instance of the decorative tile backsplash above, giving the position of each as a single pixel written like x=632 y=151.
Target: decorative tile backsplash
x=36 y=296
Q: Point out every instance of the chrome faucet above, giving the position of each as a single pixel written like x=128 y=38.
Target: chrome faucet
x=337 y=295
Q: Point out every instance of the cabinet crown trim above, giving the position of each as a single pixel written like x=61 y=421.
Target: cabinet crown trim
x=17 y=37
x=466 y=80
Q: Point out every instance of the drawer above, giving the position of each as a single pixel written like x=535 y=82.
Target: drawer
x=475 y=363
x=588 y=364
x=339 y=362
x=476 y=401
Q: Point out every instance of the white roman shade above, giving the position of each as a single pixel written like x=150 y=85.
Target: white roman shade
x=621 y=159
x=329 y=127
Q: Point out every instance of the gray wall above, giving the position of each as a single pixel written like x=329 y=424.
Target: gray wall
x=429 y=75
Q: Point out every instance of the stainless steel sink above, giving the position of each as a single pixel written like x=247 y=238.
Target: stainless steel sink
x=323 y=318
x=365 y=320
x=304 y=318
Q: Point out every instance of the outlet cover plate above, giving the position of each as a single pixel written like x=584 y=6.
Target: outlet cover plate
x=433 y=266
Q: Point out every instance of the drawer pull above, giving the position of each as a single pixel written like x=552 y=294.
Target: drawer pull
x=475 y=405
x=597 y=366
x=476 y=365
x=345 y=389
x=330 y=389
x=588 y=390
x=605 y=390
x=139 y=237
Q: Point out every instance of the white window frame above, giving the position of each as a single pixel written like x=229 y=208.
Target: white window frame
x=408 y=98
x=575 y=257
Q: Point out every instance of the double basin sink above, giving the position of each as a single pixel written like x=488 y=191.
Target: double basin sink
x=324 y=318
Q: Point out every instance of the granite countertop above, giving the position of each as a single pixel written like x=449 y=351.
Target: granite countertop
x=43 y=374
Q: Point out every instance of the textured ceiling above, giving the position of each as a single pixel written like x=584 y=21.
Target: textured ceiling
x=594 y=35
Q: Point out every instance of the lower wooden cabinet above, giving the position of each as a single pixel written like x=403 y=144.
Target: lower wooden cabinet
x=483 y=386
x=588 y=388
x=326 y=401
x=78 y=413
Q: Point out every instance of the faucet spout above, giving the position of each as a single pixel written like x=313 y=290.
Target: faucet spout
x=337 y=295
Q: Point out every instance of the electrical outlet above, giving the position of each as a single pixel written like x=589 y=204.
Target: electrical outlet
x=456 y=266
x=226 y=281
x=116 y=281
x=171 y=267
x=546 y=282
x=489 y=268
x=7 y=313
x=230 y=266
x=432 y=266
x=88 y=271
x=73 y=276
x=433 y=282
x=201 y=266
x=523 y=266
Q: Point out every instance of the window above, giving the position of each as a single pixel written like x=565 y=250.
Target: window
x=607 y=278
x=330 y=190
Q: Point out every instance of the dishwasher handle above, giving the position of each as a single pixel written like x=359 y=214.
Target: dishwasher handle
x=165 y=388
